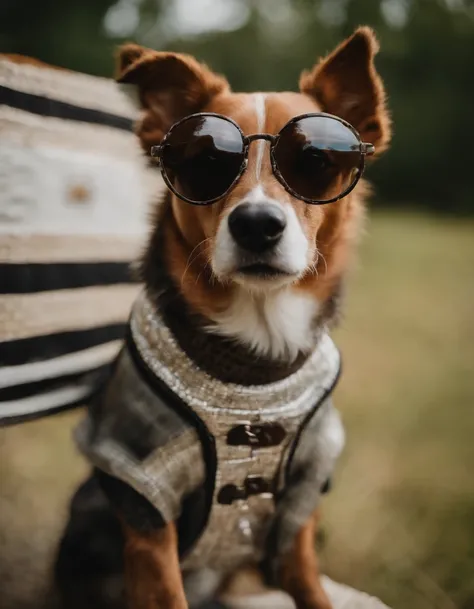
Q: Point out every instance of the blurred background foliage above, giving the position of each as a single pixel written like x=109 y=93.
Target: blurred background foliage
x=426 y=61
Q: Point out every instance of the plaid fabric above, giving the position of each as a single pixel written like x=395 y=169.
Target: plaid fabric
x=161 y=426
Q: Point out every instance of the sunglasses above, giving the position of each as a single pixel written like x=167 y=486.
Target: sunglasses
x=318 y=158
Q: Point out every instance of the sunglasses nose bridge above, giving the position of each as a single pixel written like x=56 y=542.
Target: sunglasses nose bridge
x=257 y=154
x=255 y=137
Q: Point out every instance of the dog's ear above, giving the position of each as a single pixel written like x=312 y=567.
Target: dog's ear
x=346 y=83
x=169 y=86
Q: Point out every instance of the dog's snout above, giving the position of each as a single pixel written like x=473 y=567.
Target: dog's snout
x=256 y=226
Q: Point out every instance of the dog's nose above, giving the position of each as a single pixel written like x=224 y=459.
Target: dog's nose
x=257 y=226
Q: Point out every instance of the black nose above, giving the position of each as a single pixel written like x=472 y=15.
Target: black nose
x=257 y=226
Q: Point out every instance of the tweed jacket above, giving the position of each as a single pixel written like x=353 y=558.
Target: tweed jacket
x=261 y=454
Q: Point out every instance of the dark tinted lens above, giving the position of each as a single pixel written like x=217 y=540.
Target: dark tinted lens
x=202 y=156
x=318 y=157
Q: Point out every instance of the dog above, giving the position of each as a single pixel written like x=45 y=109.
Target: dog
x=216 y=435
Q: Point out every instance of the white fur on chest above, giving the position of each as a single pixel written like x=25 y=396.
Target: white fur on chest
x=275 y=324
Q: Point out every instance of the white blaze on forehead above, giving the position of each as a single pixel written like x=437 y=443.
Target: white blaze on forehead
x=256 y=195
x=260 y=110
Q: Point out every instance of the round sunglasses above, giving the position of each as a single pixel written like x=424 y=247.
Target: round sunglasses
x=318 y=158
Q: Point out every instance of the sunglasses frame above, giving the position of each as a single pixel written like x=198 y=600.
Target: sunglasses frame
x=366 y=149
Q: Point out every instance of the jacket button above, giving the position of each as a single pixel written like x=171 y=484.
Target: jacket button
x=261 y=435
x=230 y=493
x=253 y=485
x=256 y=485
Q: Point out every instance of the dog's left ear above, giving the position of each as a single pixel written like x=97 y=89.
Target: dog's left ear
x=346 y=84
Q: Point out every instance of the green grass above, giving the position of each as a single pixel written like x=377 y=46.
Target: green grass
x=400 y=520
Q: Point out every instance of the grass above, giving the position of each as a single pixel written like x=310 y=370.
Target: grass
x=399 y=522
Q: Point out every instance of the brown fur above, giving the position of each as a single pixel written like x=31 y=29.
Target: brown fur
x=172 y=86
x=359 y=96
x=152 y=573
x=299 y=574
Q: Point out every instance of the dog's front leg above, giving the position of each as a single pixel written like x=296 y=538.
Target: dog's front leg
x=299 y=573
x=152 y=572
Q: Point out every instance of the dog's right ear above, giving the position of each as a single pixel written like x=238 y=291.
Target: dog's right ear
x=170 y=86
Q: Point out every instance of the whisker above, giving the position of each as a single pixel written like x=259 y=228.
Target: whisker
x=190 y=259
x=324 y=260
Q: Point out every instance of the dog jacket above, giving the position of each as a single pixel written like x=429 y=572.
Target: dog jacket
x=260 y=454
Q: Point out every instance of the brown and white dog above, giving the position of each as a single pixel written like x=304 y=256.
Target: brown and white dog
x=270 y=312
x=315 y=247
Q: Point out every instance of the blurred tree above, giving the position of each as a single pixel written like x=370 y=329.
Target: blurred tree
x=69 y=33
x=426 y=62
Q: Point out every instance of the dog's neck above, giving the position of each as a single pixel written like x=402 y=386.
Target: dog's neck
x=223 y=357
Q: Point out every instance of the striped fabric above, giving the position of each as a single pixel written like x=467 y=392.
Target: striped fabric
x=73 y=202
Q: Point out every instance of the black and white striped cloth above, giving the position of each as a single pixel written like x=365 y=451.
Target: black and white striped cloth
x=73 y=199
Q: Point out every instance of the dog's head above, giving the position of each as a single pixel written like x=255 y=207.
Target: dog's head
x=259 y=256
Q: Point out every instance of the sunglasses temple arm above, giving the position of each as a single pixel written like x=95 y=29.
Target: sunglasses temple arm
x=156 y=151
x=366 y=148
